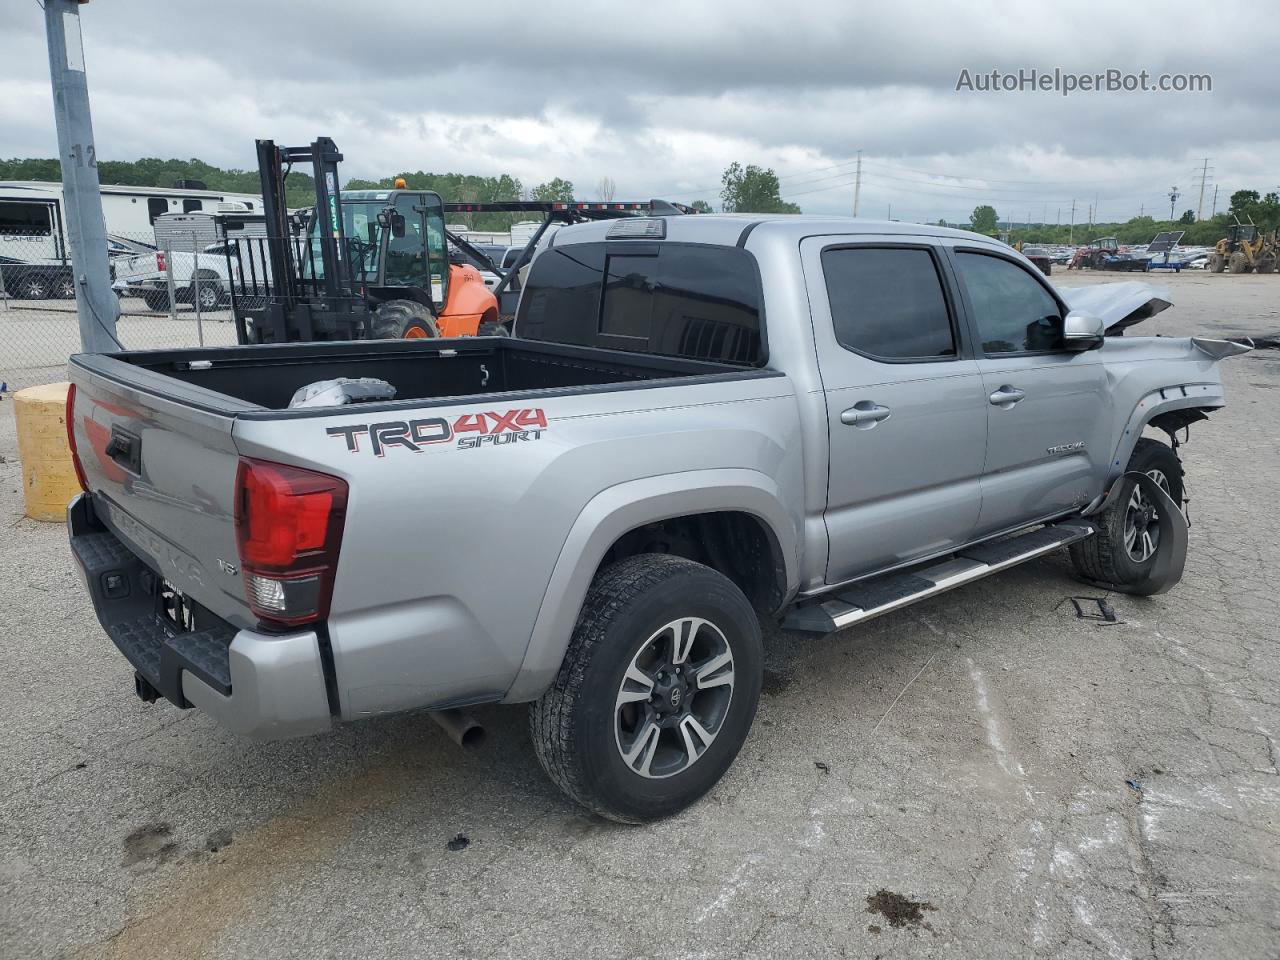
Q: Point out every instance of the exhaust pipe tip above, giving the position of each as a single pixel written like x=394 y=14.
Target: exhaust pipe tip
x=463 y=729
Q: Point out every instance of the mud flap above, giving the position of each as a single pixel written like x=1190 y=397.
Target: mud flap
x=1171 y=556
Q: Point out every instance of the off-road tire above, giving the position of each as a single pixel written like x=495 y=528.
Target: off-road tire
x=404 y=320
x=1103 y=558
x=1217 y=263
x=157 y=300
x=1238 y=263
x=573 y=724
x=492 y=328
x=1266 y=265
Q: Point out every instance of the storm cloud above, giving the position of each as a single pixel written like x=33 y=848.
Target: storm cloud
x=661 y=96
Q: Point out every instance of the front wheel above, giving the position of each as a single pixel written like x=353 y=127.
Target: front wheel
x=403 y=320
x=1124 y=549
x=657 y=690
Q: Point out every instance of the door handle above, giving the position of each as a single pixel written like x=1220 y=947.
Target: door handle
x=1006 y=396
x=865 y=414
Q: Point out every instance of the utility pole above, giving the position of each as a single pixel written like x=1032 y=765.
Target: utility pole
x=1204 y=175
x=1173 y=200
x=857 y=183
x=1214 y=211
x=1142 y=210
x=96 y=303
x=1071 y=231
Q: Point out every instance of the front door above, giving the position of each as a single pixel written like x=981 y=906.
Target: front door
x=906 y=411
x=1047 y=407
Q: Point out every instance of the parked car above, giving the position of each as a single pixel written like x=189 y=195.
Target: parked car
x=636 y=479
x=146 y=275
x=25 y=280
x=1040 y=257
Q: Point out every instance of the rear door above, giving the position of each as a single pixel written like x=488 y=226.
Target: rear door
x=906 y=411
x=1047 y=407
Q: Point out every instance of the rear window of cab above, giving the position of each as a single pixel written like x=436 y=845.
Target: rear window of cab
x=671 y=299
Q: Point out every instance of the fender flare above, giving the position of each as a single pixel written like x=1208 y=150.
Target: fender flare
x=1156 y=403
x=620 y=509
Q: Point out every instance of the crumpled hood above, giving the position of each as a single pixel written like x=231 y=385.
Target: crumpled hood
x=1119 y=305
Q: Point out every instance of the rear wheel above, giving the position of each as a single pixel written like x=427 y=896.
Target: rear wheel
x=491 y=327
x=657 y=690
x=1238 y=263
x=1266 y=265
x=34 y=288
x=1124 y=549
x=157 y=300
x=1217 y=263
x=210 y=293
x=404 y=320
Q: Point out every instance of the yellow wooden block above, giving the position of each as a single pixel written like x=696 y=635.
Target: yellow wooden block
x=48 y=475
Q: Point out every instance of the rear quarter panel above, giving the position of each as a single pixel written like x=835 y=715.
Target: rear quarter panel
x=448 y=549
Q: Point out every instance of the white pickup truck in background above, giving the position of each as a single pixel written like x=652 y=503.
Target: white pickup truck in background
x=192 y=252
x=201 y=276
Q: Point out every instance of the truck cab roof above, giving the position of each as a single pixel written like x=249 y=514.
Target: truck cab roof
x=730 y=229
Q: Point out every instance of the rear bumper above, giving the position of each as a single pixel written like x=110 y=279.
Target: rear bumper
x=261 y=685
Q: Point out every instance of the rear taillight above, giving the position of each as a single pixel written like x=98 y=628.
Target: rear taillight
x=71 y=438
x=289 y=529
x=160 y=261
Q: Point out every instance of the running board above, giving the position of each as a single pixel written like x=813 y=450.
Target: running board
x=870 y=598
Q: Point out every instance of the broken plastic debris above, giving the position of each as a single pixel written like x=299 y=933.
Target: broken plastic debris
x=343 y=390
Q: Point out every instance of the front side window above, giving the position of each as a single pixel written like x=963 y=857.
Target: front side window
x=1014 y=313
x=887 y=303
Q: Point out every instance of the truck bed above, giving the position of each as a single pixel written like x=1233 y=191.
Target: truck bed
x=247 y=380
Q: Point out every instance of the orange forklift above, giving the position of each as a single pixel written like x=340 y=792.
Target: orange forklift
x=361 y=264
x=376 y=264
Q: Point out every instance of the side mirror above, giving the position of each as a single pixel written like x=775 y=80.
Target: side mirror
x=1083 y=331
x=397 y=224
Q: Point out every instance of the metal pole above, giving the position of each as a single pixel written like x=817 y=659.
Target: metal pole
x=857 y=184
x=97 y=306
x=168 y=281
x=195 y=286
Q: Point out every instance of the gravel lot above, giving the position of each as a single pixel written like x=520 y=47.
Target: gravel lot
x=982 y=775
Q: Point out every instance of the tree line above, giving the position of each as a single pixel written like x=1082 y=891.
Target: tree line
x=300 y=186
x=744 y=189
x=1245 y=206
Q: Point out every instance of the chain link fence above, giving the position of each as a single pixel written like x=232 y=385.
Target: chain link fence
x=172 y=294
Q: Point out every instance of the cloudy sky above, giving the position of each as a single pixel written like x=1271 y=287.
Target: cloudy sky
x=661 y=96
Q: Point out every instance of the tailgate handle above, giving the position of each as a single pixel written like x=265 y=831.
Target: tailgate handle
x=125 y=450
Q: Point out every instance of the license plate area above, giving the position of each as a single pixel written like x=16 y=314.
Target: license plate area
x=175 y=609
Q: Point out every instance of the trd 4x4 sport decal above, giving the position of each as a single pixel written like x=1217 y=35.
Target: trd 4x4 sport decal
x=471 y=431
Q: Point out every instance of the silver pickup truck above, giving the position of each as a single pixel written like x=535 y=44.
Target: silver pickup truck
x=703 y=421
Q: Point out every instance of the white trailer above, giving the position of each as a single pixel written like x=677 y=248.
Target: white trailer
x=33 y=221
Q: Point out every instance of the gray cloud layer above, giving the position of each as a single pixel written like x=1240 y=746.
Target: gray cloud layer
x=661 y=96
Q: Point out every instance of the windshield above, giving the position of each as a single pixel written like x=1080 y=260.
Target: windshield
x=416 y=259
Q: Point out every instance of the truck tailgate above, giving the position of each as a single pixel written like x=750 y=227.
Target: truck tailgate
x=163 y=475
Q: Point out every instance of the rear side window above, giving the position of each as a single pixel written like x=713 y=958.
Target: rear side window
x=672 y=299
x=888 y=303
